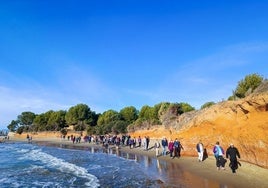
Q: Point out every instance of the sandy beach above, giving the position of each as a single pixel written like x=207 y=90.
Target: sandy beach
x=247 y=176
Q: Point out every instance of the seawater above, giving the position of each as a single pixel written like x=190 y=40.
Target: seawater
x=29 y=165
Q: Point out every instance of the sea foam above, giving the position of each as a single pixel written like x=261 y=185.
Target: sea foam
x=63 y=166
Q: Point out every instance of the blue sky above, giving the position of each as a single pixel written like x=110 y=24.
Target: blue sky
x=114 y=54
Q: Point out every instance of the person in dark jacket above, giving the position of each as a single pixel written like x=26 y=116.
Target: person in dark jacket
x=164 y=143
x=177 y=148
x=232 y=153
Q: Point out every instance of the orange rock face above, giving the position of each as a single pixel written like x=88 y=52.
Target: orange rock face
x=46 y=135
x=243 y=122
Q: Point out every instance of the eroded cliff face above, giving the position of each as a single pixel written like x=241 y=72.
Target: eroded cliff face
x=243 y=122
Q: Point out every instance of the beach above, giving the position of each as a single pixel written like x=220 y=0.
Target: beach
x=196 y=173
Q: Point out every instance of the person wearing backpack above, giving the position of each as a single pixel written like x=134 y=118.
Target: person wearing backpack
x=219 y=153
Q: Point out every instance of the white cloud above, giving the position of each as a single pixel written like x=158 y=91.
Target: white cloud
x=13 y=102
x=71 y=86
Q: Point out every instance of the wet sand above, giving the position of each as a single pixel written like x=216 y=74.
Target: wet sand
x=185 y=170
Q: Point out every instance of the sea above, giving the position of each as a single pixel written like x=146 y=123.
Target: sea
x=25 y=165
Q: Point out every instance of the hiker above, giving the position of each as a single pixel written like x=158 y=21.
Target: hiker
x=177 y=148
x=219 y=153
x=200 y=150
x=156 y=147
x=164 y=144
x=171 y=148
x=232 y=153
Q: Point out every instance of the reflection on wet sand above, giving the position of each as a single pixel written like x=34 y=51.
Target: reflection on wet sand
x=171 y=173
x=174 y=175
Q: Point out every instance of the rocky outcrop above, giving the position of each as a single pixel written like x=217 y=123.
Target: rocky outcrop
x=262 y=88
x=243 y=122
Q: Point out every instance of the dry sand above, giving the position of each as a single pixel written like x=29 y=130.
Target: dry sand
x=247 y=176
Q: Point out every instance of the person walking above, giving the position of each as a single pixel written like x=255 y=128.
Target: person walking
x=177 y=148
x=147 y=142
x=144 y=143
x=232 y=153
x=171 y=148
x=139 y=141
x=164 y=143
x=200 y=150
x=218 y=153
x=156 y=147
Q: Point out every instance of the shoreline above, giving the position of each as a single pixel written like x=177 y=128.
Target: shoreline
x=247 y=176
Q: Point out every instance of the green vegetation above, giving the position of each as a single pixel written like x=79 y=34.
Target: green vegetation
x=83 y=119
x=207 y=104
x=81 y=116
x=13 y=126
x=248 y=85
x=185 y=107
x=129 y=114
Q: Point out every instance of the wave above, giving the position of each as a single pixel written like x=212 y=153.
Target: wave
x=61 y=165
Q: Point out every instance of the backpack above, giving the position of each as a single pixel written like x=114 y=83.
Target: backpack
x=176 y=144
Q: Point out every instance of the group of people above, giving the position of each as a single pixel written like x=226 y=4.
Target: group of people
x=232 y=154
x=172 y=147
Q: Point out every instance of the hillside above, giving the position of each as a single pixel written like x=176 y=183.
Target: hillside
x=243 y=122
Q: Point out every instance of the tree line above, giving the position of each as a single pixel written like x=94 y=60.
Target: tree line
x=82 y=118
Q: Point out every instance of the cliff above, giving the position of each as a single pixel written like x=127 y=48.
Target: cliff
x=243 y=122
